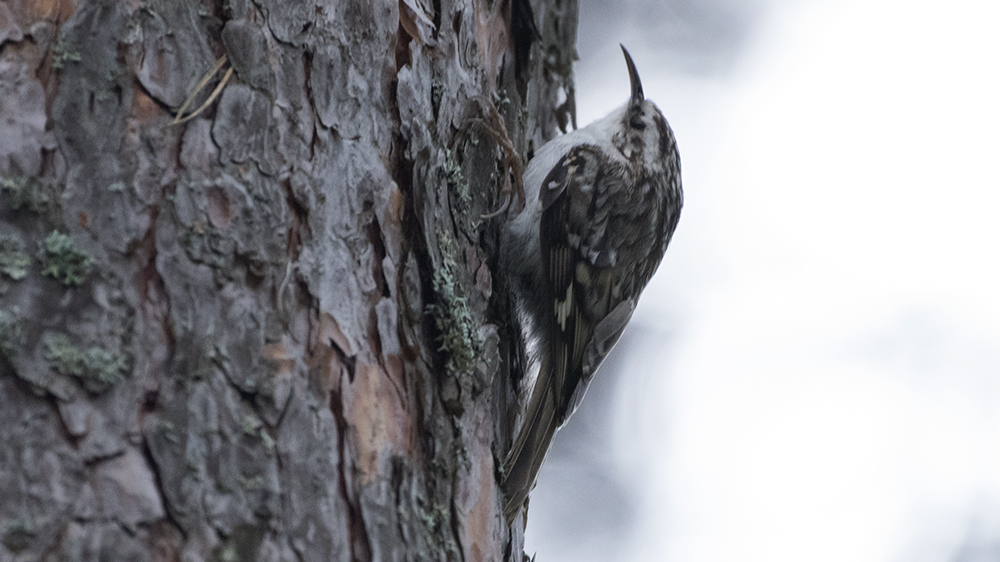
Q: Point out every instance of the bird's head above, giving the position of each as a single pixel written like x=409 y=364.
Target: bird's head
x=642 y=134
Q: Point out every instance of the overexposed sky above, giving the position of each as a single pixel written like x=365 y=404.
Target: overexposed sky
x=814 y=373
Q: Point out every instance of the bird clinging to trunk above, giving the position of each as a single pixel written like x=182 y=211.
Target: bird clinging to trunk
x=602 y=204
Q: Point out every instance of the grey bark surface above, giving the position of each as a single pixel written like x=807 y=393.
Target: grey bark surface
x=273 y=332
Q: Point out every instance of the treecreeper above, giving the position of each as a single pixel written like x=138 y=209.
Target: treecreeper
x=601 y=206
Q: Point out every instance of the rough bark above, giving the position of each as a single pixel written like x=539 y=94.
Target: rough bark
x=275 y=331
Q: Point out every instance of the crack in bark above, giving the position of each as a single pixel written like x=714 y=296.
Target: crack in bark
x=299 y=229
x=377 y=240
x=168 y=516
x=155 y=305
x=137 y=83
x=307 y=62
x=152 y=287
x=357 y=533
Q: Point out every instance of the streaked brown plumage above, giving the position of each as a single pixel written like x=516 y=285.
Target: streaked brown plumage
x=593 y=233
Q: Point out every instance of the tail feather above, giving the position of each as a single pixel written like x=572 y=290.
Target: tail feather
x=524 y=460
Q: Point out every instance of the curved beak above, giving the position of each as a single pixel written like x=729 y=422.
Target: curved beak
x=633 y=76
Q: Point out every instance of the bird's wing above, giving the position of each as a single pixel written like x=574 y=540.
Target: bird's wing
x=579 y=262
x=571 y=220
x=600 y=237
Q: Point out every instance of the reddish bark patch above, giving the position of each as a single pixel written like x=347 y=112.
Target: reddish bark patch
x=144 y=108
x=9 y=30
x=378 y=424
x=492 y=38
x=329 y=331
x=475 y=494
x=219 y=212
x=279 y=355
x=164 y=542
x=22 y=111
x=397 y=206
x=28 y=12
x=403 y=38
x=329 y=358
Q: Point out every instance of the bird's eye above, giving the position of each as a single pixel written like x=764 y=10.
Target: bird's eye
x=636 y=122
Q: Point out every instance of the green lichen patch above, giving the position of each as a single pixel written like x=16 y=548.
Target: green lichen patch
x=435 y=516
x=14 y=262
x=251 y=483
x=11 y=337
x=455 y=178
x=62 y=260
x=64 y=356
x=242 y=544
x=24 y=193
x=16 y=534
x=251 y=425
x=454 y=322
x=500 y=100
x=102 y=369
x=268 y=441
x=62 y=53
x=97 y=368
x=458 y=337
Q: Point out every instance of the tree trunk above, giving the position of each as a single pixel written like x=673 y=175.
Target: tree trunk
x=274 y=331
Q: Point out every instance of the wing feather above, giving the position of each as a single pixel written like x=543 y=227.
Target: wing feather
x=578 y=259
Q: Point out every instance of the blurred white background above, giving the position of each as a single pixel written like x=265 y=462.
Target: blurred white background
x=814 y=373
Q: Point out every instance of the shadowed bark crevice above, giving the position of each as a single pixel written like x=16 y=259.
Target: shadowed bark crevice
x=168 y=518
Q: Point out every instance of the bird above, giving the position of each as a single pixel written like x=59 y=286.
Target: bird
x=602 y=203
